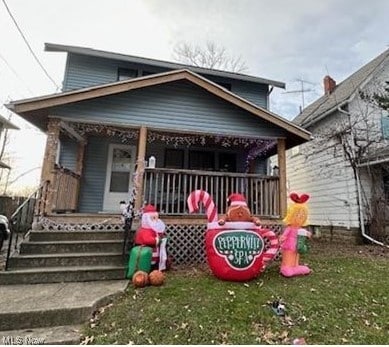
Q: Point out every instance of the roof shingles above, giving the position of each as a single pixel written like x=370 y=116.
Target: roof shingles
x=342 y=93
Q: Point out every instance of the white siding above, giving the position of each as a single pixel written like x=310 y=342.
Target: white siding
x=320 y=170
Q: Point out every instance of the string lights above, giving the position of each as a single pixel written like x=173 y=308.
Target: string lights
x=256 y=147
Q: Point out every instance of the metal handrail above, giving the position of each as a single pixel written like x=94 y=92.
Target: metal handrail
x=23 y=215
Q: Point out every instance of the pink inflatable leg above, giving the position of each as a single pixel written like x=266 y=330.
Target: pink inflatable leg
x=287 y=271
x=291 y=271
x=302 y=270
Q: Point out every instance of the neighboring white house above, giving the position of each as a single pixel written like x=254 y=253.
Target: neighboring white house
x=4 y=124
x=347 y=161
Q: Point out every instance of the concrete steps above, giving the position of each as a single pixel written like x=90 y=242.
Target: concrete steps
x=62 y=274
x=52 y=305
x=75 y=235
x=65 y=259
x=67 y=256
x=85 y=246
x=59 y=335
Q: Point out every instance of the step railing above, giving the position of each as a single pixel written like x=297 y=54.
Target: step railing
x=21 y=220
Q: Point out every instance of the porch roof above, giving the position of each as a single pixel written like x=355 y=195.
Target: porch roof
x=37 y=110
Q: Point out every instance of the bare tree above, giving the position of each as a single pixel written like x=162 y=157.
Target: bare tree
x=354 y=137
x=210 y=56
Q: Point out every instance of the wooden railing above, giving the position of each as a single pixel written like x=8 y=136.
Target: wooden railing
x=168 y=190
x=65 y=189
x=21 y=221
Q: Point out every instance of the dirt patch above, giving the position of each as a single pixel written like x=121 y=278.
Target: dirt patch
x=346 y=249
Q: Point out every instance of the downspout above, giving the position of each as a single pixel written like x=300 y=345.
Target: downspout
x=268 y=97
x=359 y=192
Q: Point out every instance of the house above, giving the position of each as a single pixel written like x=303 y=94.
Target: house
x=345 y=166
x=4 y=125
x=158 y=129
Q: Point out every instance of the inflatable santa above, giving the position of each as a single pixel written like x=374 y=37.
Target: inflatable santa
x=152 y=234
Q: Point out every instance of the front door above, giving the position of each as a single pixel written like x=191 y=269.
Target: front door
x=120 y=168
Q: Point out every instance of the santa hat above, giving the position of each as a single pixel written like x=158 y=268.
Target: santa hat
x=149 y=209
x=236 y=199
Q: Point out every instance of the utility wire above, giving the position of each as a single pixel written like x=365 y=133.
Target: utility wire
x=28 y=45
x=15 y=73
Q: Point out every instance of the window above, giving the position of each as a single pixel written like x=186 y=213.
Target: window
x=124 y=74
x=227 y=162
x=386 y=186
x=385 y=127
x=201 y=160
x=174 y=158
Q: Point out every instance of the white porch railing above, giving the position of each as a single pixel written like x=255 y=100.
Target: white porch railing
x=168 y=190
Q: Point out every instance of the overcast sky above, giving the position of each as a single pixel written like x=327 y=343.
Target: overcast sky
x=283 y=40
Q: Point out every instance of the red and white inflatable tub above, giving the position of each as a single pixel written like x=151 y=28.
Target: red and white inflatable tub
x=236 y=251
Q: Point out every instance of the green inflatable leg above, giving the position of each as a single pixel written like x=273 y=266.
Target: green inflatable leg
x=140 y=260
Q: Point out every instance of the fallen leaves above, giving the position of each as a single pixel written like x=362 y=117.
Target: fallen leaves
x=266 y=335
x=87 y=340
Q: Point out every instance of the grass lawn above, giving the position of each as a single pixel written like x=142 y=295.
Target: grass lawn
x=344 y=301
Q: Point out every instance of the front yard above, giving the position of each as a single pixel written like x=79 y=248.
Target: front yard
x=344 y=301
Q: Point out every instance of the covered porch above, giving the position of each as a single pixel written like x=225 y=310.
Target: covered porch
x=163 y=186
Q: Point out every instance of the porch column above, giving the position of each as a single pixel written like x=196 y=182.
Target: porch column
x=48 y=174
x=79 y=167
x=140 y=167
x=282 y=175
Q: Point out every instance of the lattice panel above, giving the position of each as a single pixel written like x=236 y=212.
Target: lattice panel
x=49 y=225
x=187 y=242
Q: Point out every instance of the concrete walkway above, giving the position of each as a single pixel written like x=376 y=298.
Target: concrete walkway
x=54 y=311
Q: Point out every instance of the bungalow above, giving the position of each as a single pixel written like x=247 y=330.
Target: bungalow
x=158 y=129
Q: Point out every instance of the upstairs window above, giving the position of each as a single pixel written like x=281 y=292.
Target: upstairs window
x=125 y=74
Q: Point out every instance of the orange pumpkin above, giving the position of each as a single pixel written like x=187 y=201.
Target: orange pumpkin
x=157 y=278
x=140 y=279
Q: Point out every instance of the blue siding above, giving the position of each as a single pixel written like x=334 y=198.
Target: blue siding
x=95 y=170
x=85 y=71
x=93 y=179
x=255 y=93
x=68 y=154
x=177 y=105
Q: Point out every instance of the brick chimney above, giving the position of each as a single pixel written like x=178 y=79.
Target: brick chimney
x=329 y=85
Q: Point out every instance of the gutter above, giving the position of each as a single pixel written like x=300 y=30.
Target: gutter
x=325 y=114
x=362 y=225
x=375 y=162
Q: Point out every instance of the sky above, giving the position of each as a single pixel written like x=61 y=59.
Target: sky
x=294 y=41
